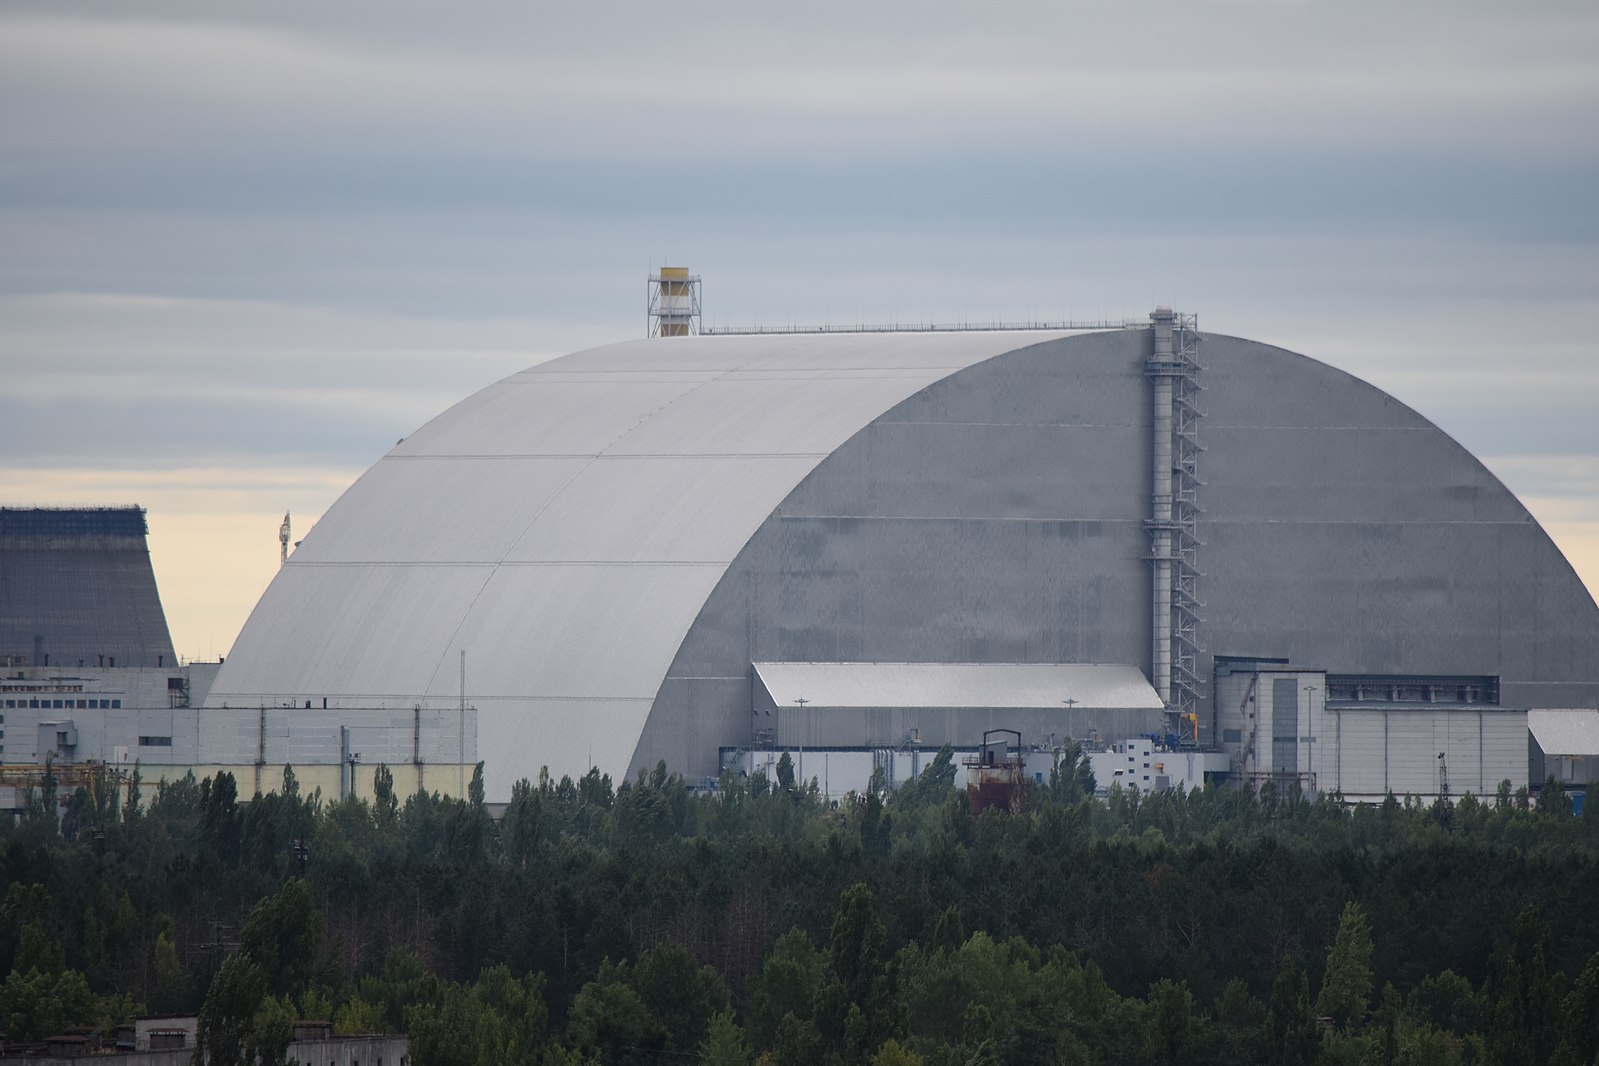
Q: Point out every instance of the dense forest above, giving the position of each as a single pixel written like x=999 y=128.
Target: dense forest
x=759 y=923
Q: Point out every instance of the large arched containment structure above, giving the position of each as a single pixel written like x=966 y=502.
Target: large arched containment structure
x=618 y=537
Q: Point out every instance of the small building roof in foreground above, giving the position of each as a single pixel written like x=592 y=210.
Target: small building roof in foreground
x=998 y=685
x=1565 y=732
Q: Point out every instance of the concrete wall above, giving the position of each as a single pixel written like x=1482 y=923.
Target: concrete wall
x=165 y=730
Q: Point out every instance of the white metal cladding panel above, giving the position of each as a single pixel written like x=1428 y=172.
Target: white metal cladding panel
x=1009 y=685
x=438 y=510
x=349 y=629
x=1362 y=753
x=518 y=736
x=1505 y=749
x=715 y=419
x=1366 y=753
x=574 y=630
x=1458 y=734
x=794 y=352
x=658 y=509
x=1412 y=753
x=533 y=416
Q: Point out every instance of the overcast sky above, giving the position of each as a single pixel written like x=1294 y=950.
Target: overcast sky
x=246 y=247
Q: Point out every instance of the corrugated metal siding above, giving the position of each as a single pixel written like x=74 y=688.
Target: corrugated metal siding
x=1394 y=750
x=1362 y=753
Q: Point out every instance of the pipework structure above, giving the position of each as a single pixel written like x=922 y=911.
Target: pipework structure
x=672 y=303
x=1173 y=371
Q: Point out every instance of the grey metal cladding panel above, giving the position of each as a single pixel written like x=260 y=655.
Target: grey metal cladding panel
x=896 y=592
x=1400 y=598
x=1074 y=473
x=693 y=718
x=1454 y=572
x=1342 y=474
x=415 y=510
x=1250 y=384
x=840 y=580
x=1086 y=380
x=906 y=590
x=917 y=591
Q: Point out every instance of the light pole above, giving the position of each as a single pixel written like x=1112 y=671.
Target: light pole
x=1310 y=735
x=802 y=701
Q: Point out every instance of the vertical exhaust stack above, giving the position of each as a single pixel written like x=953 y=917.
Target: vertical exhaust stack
x=672 y=303
x=1174 y=616
x=1162 y=367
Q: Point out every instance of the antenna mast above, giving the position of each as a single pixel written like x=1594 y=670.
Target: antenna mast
x=283 y=540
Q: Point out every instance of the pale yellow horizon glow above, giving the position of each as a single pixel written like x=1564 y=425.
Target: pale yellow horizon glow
x=214 y=533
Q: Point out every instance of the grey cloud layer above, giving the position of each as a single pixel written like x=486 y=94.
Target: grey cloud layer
x=288 y=195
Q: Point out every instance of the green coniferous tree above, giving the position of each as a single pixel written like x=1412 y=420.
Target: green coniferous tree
x=1346 y=986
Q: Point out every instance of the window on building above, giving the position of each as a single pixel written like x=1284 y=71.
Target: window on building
x=116 y=704
x=155 y=742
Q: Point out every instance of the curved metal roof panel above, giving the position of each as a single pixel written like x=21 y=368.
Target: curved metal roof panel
x=1565 y=732
x=564 y=527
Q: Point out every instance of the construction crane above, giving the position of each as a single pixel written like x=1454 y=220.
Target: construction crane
x=283 y=540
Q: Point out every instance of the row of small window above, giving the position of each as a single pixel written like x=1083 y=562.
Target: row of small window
x=67 y=705
x=155 y=742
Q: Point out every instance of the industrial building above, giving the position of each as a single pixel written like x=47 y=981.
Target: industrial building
x=90 y=679
x=706 y=549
